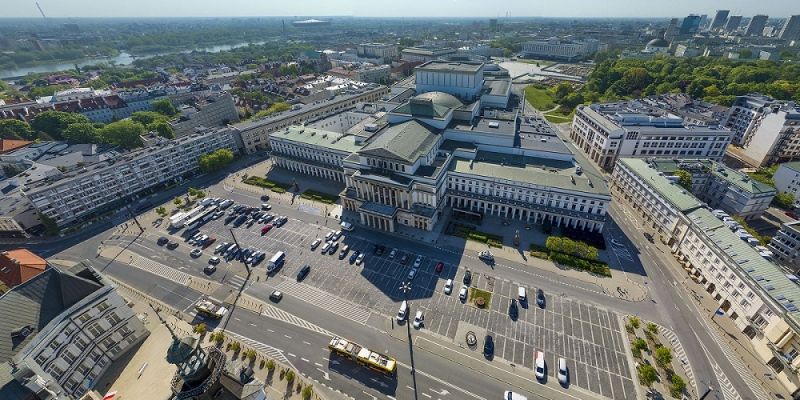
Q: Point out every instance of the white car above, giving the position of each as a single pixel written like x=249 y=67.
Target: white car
x=562 y=371
x=509 y=395
x=326 y=247
x=213 y=260
x=329 y=236
x=448 y=286
x=539 y=365
x=347 y=226
x=419 y=319
x=315 y=244
x=392 y=253
x=412 y=274
x=402 y=313
x=336 y=236
x=360 y=259
x=210 y=268
x=417 y=262
x=462 y=294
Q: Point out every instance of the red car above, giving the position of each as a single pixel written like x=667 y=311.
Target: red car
x=439 y=266
x=209 y=241
x=266 y=228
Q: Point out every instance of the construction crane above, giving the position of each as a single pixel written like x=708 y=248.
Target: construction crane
x=40 y=10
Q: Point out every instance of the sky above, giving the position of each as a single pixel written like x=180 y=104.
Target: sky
x=394 y=8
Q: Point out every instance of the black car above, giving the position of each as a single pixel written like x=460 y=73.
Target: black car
x=379 y=249
x=230 y=218
x=540 y=300
x=162 y=241
x=264 y=198
x=649 y=237
x=513 y=310
x=467 y=277
x=172 y=245
x=488 y=346
x=303 y=272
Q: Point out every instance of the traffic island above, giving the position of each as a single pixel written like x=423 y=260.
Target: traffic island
x=480 y=298
x=658 y=370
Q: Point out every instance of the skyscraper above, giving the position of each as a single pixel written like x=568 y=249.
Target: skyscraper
x=690 y=25
x=733 y=23
x=719 y=19
x=756 y=25
x=791 y=29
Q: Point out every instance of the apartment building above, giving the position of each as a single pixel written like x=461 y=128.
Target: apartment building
x=765 y=131
x=786 y=245
x=385 y=52
x=425 y=53
x=85 y=192
x=787 y=179
x=255 y=134
x=216 y=109
x=63 y=330
x=720 y=187
x=607 y=132
x=756 y=294
x=558 y=49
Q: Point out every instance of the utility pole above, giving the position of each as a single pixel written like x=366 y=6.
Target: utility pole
x=241 y=288
x=405 y=287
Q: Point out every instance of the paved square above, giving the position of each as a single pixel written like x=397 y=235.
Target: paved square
x=588 y=337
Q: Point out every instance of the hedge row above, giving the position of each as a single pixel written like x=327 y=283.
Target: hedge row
x=572 y=247
x=267 y=184
x=595 y=267
x=320 y=197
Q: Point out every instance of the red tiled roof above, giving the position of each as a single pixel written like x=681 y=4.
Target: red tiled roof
x=18 y=266
x=7 y=145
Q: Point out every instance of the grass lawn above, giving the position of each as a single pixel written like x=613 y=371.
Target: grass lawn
x=276 y=187
x=319 y=196
x=469 y=233
x=475 y=293
x=539 y=98
x=557 y=118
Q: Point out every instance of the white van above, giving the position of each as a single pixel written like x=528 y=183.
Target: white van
x=562 y=371
x=509 y=395
x=403 y=312
x=522 y=295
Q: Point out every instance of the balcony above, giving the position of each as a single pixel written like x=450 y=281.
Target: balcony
x=785 y=361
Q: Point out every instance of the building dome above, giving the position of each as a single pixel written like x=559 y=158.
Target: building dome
x=441 y=99
x=657 y=42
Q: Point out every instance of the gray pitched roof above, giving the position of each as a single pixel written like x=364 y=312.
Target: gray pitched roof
x=406 y=141
x=35 y=303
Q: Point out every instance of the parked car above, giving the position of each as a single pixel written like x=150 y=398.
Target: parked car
x=488 y=346
x=213 y=260
x=404 y=259
x=418 y=261
x=266 y=206
x=392 y=254
x=439 y=267
x=343 y=252
x=379 y=249
x=316 y=243
x=276 y=296
x=513 y=309
x=329 y=236
x=162 y=241
x=334 y=247
x=402 y=313
x=354 y=256
x=210 y=269
x=196 y=253
x=540 y=300
x=220 y=247
x=462 y=294
x=563 y=374
x=303 y=272
x=419 y=319
x=539 y=365
x=172 y=245
x=467 y=278
x=448 y=286
x=412 y=274
x=266 y=228
x=336 y=235
x=360 y=259
x=264 y=198
x=509 y=395
x=326 y=247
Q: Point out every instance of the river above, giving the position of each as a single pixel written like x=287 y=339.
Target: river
x=123 y=58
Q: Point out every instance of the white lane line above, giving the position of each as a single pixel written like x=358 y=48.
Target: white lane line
x=293 y=355
x=287 y=336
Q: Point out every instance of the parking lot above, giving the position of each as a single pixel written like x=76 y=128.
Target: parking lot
x=588 y=337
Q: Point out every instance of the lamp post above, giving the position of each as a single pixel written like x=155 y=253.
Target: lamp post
x=241 y=288
x=405 y=287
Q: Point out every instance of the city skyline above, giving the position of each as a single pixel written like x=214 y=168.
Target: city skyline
x=410 y=8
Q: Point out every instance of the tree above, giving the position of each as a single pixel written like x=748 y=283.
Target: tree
x=307 y=392
x=635 y=322
x=663 y=356
x=290 y=376
x=164 y=107
x=81 y=133
x=684 y=179
x=147 y=117
x=161 y=211
x=652 y=328
x=50 y=226
x=784 y=200
x=54 y=123
x=235 y=346
x=126 y=134
x=639 y=344
x=677 y=387
x=647 y=374
x=15 y=129
x=163 y=129
x=270 y=365
x=177 y=201
x=200 y=328
x=215 y=161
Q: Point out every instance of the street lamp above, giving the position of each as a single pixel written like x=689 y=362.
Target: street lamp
x=241 y=288
x=405 y=287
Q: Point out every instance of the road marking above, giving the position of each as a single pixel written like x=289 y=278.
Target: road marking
x=272 y=352
x=292 y=355
x=324 y=374
x=286 y=336
x=306 y=343
x=305 y=359
x=318 y=364
x=426 y=395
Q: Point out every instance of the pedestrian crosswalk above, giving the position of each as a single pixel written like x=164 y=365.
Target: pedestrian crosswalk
x=727 y=389
x=236 y=282
x=680 y=353
x=266 y=349
x=276 y=313
x=156 y=268
x=744 y=371
x=325 y=300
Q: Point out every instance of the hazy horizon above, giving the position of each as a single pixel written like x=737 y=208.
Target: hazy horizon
x=406 y=8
